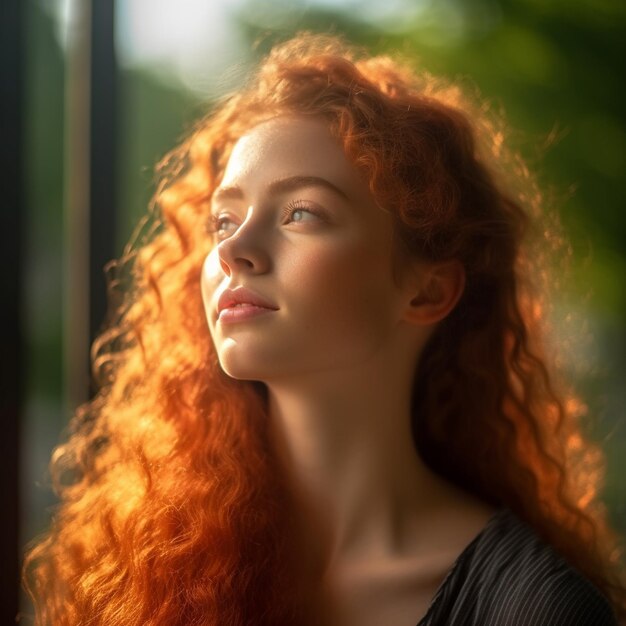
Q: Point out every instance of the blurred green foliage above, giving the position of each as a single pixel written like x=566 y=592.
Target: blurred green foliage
x=555 y=68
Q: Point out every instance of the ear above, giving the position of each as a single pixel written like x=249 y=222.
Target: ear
x=436 y=290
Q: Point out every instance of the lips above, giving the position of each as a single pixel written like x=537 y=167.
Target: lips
x=242 y=297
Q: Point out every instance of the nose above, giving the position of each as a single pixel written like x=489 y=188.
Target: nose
x=245 y=251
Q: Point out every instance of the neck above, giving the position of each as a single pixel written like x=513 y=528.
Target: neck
x=345 y=442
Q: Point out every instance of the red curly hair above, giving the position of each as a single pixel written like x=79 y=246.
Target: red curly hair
x=172 y=509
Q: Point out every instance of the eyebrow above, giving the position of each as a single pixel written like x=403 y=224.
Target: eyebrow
x=281 y=185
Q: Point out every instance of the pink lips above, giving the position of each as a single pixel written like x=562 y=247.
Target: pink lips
x=240 y=304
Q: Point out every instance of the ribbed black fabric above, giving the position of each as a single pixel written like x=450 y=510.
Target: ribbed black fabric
x=508 y=577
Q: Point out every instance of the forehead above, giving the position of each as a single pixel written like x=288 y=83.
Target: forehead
x=290 y=146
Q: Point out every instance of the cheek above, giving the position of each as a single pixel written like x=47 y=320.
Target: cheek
x=346 y=286
x=210 y=279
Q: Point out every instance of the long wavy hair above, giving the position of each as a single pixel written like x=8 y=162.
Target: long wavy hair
x=172 y=507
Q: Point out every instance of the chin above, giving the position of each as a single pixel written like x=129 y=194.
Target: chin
x=243 y=367
x=240 y=373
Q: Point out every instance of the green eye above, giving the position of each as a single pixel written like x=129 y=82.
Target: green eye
x=297 y=211
x=221 y=225
x=300 y=215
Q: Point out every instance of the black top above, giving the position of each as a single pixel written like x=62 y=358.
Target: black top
x=508 y=577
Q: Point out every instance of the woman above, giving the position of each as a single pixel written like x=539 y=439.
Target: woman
x=351 y=420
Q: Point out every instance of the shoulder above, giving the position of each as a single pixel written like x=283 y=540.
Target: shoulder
x=522 y=580
x=509 y=576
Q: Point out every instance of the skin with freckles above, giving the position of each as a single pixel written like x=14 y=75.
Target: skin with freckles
x=321 y=254
x=296 y=224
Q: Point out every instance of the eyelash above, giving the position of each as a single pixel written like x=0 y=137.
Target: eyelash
x=299 y=205
x=212 y=225
x=214 y=221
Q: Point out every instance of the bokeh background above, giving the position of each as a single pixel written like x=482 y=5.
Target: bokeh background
x=554 y=68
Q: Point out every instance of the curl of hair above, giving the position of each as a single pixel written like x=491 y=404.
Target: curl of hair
x=172 y=508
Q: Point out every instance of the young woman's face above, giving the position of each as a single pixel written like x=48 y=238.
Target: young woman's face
x=301 y=281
